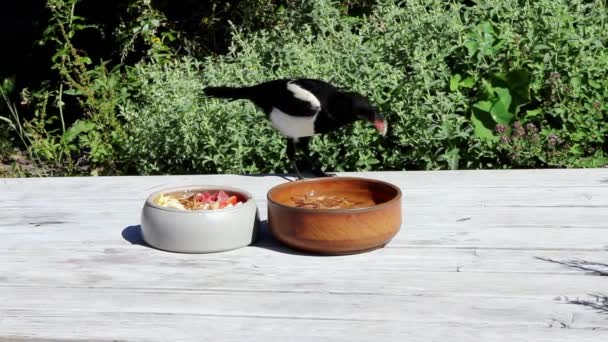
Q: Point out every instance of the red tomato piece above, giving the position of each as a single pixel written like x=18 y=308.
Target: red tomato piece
x=222 y=196
x=200 y=197
x=205 y=197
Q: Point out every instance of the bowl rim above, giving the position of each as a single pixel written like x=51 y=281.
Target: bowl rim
x=150 y=198
x=337 y=211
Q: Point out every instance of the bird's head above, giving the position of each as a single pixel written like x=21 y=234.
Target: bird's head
x=364 y=110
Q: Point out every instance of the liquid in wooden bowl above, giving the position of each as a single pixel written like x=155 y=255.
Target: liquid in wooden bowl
x=337 y=215
x=334 y=200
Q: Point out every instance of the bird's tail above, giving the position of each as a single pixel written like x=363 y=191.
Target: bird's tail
x=234 y=93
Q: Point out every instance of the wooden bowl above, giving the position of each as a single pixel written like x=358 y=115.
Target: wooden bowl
x=335 y=231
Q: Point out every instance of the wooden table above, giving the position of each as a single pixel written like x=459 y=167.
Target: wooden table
x=482 y=256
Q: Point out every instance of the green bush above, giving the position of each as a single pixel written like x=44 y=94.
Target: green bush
x=494 y=84
x=552 y=60
x=171 y=129
x=499 y=84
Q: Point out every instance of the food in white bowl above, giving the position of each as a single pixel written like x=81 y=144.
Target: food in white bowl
x=200 y=219
x=198 y=200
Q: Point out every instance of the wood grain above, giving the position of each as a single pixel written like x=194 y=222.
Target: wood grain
x=477 y=258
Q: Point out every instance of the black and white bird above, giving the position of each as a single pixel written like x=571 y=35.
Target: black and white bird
x=301 y=108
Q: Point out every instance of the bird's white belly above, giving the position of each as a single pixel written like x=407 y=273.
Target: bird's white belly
x=292 y=126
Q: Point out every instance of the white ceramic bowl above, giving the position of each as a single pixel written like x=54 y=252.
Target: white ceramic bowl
x=200 y=231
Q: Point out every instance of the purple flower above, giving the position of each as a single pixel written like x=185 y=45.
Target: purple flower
x=500 y=128
x=519 y=130
x=597 y=105
x=531 y=128
x=553 y=139
x=504 y=139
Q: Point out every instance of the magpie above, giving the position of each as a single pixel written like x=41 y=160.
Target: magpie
x=301 y=108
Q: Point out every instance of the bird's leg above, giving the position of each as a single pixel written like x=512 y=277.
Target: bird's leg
x=291 y=154
x=314 y=166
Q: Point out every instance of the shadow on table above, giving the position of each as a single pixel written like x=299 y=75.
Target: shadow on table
x=597 y=302
x=591 y=267
x=264 y=240
x=133 y=235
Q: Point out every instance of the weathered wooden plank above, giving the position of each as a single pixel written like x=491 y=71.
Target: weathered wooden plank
x=390 y=271
x=61 y=324
x=409 y=179
x=89 y=194
x=490 y=310
x=127 y=213
x=468 y=235
x=494 y=260
x=484 y=204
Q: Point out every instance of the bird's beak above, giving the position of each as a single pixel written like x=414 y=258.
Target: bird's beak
x=381 y=125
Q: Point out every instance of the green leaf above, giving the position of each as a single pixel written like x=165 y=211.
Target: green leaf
x=480 y=121
x=500 y=108
x=168 y=35
x=484 y=106
x=79 y=127
x=534 y=112
x=487 y=27
x=488 y=89
x=472 y=46
x=372 y=161
x=453 y=157
x=576 y=149
x=454 y=81
x=8 y=85
x=495 y=49
x=517 y=81
x=594 y=84
x=72 y=91
x=7 y=120
x=468 y=82
x=60 y=53
x=502 y=76
x=575 y=82
x=85 y=60
x=457 y=82
x=540 y=47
